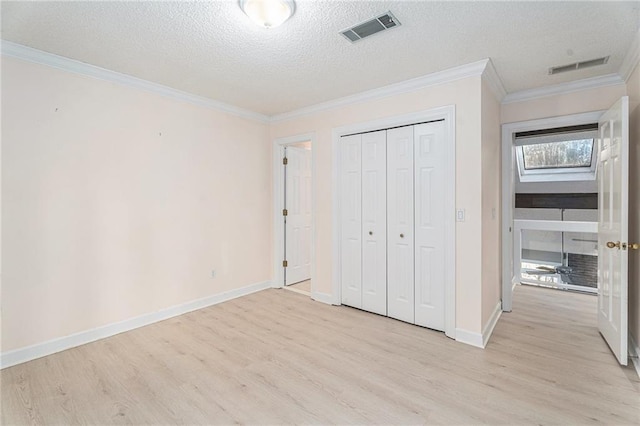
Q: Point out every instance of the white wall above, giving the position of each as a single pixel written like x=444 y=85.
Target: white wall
x=117 y=203
x=465 y=94
x=587 y=186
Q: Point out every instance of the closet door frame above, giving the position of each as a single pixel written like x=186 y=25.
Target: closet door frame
x=446 y=113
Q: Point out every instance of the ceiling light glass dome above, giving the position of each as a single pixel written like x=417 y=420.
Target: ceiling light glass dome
x=268 y=13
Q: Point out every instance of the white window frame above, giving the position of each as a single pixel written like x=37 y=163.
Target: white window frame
x=557 y=174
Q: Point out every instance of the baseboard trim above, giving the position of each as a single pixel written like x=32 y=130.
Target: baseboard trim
x=469 y=338
x=323 y=298
x=634 y=353
x=19 y=356
x=488 y=329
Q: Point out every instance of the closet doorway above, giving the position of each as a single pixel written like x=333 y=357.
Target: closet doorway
x=293 y=213
x=394 y=218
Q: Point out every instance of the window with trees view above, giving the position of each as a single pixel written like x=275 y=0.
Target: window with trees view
x=554 y=155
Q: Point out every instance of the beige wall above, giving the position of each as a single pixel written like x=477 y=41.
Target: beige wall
x=599 y=99
x=465 y=94
x=491 y=186
x=117 y=203
x=633 y=90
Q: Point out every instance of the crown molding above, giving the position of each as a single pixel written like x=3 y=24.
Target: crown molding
x=632 y=58
x=563 y=88
x=44 y=58
x=492 y=78
x=452 y=74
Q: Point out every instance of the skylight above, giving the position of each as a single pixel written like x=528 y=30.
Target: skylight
x=559 y=154
x=554 y=155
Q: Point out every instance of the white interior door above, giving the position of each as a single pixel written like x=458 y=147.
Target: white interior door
x=351 y=220
x=298 y=219
x=374 y=222
x=430 y=162
x=613 y=193
x=400 y=238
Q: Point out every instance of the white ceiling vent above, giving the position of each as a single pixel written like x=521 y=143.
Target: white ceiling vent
x=579 y=65
x=370 y=27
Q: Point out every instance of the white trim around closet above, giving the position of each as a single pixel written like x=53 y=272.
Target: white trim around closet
x=446 y=113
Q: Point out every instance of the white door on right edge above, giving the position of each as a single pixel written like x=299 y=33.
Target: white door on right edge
x=613 y=208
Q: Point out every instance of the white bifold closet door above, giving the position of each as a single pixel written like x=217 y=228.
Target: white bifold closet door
x=393 y=223
x=430 y=159
x=363 y=205
x=351 y=220
x=374 y=222
x=400 y=233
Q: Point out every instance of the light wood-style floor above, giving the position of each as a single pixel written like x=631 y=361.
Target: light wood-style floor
x=304 y=286
x=276 y=357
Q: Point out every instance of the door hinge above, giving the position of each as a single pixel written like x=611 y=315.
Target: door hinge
x=285 y=263
x=285 y=212
x=285 y=161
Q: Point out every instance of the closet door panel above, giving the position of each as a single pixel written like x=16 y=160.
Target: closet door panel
x=400 y=218
x=430 y=156
x=374 y=222
x=351 y=220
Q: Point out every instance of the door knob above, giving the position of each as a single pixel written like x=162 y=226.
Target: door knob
x=370 y=232
x=634 y=246
x=401 y=235
x=611 y=244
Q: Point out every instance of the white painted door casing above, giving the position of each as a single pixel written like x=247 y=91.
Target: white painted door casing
x=613 y=208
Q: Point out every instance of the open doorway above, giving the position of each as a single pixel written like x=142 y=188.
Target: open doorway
x=549 y=202
x=565 y=212
x=293 y=213
x=556 y=207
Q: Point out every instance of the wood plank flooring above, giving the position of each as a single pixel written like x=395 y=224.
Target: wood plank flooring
x=276 y=357
x=304 y=286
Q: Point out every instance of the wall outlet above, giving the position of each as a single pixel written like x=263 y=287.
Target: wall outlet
x=460 y=215
x=213 y=273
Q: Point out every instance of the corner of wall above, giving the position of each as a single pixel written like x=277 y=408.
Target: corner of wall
x=491 y=195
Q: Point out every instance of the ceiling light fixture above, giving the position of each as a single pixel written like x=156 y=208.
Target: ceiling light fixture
x=268 y=13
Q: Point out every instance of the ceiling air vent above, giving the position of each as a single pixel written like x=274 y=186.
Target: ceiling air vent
x=370 y=27
x=579 y=65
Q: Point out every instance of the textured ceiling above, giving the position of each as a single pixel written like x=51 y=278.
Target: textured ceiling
x=213 y=50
